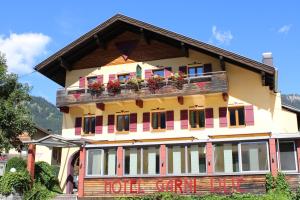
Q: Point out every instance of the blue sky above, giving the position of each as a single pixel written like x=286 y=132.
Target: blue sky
x=30 y=31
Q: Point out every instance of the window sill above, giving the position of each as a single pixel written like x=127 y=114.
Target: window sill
x=158 y=130
x=197 y=129
x=239 y=126
x=122 y=132
x=88 y=134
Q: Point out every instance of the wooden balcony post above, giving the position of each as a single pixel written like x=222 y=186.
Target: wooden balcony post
x=273 y=157
x=31 y=159
x=163 y=160
x=120 y=161
x=82 y=155
x=209 y=158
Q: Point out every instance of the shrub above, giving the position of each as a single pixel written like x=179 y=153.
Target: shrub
x=114 y=87
x=16 y=162
x=281 y=184
x=270 y=182
x=18 y=181
x=38 y=192
x=178 y=80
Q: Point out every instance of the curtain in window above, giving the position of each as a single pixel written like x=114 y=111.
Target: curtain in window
x=111 y=162
x=94 y=162
x=228 y=158
x=254 y=156
x=287 y=156
x=133 y=161
x=151 y=160
x=177 y=160
x=194 y=159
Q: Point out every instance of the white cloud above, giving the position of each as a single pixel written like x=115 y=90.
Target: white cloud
x=285 y=29
x=224 y=37
x=22 y=50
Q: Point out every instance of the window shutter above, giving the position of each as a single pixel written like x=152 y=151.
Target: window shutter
x=132 y=74
x=207 y=69
x=133 y=122
x=148 y=73
x=146 y=121
x=78 y=122
x=184 y=119
x=82 y=82
x=170 y=120
x=111 y=123
x=111 y=77
x=100 y=79
x=183 y=69
x=99 y=123
x=168 y=72
x=209 y=118
x=249 y=115
x=223 y=117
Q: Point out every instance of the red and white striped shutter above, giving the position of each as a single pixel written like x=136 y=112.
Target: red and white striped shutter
x=111 y=124
x=146 y=121
x=170 y=120
x=78 y=124
x=249 y=115
x=209 y=118
x=148 y=73
x=133 y=122
x=100 y=79
x=184 y=122
x=82 y=82
x=99 y=124
x=223 y=117
x=111 y=77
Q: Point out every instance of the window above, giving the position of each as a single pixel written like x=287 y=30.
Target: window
x=195 y=71
x=254 y=156
x=56 y=155
x=158 y=120
x=183 y=159
x=287 y=156
x=123 y=123
x=226 y=158
x=237 y=116
x=123 y=77
x=101 y=162
x=144 y=160
x=159 y=72
x=89 y=125
x=91 y=79
x=197 y=118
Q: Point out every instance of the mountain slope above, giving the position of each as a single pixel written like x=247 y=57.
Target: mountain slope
x=291 y=99
x=45 y=114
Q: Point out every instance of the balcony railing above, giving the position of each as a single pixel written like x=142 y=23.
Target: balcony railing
x=214 y=82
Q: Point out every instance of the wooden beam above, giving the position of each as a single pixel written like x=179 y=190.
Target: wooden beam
x=180 y=100
x=139 y=103
x=64 y=109
x=263 y=78
x=225 y=96
x=100 y=106
x=222 y=63
x=184 y=49
x=64 y=64
x=144 y=36
x=100 y=42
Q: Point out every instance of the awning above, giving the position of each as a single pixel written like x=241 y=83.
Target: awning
x=58 y=141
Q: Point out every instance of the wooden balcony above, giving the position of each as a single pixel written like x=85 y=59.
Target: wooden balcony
x=215 y=82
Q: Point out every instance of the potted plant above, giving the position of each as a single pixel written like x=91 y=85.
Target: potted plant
x=133 y=83
x=154 y=83
x=96 y=88
x=178 y=80
x=114 y=87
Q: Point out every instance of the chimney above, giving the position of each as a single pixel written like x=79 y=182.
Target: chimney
x=267 y=58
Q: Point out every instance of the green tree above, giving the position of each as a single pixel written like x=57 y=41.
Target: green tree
x=15 y=118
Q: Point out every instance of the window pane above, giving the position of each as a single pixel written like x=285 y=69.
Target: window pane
x=202 y=159
x=127 y=161
x=199 y=71
x=86 y=125
x=152 y=156
x=287 y=156
x=193 y=119
x=123 y=78
x=201 y=118
x=254 y=156
x=120 y=123
x=93 y=124
x=241 y=116
x=126 y=118
x=162 y=120
x=132 y=161
x=145 y=160
x=155 y=120
x=226 y=158
x=192 y=71
x=232 y=117
x=178 y=158
x=170 y=160
x=112 y=162
x=159 y=72
x=91 y=80
x=94 y=162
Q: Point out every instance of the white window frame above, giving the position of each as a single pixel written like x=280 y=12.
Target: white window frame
x=278 y=156
x=186 y=160
x=102 y=164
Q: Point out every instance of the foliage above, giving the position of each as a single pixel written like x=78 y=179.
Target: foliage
x=114 y=87
x=19 y=181
x=270 y=182
x=134 y=83
x=96 y=88
x=15 y=118
x=281 y=184
x=154 y=83
x=45 y=114
x=178 y=80
x=16 y=162
x=297 y=194
x=45 y=174
x=38 y=192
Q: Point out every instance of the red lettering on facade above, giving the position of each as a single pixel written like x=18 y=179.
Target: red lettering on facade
x=119 y=187
x=107 y=184
x=132 y=183
x=178 y=184
x=160 y=186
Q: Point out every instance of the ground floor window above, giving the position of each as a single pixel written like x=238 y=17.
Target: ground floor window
x=186 y=159
x=241 y=157
x=101 y=162
x=141 y=160
x=287 y=156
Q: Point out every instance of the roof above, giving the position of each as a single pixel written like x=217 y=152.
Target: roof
x=118 y=22
x=291 y=108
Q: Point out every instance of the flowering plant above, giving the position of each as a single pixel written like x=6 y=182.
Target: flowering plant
x=178 y=80
x=114 y=87
x=134 y=83
x=154 y=83
x=96 y=88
